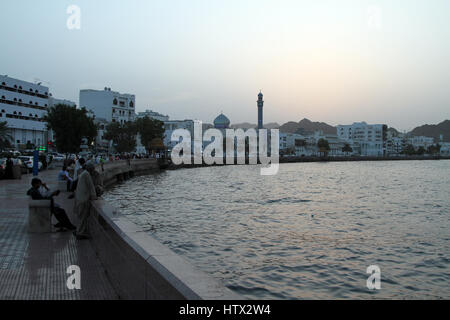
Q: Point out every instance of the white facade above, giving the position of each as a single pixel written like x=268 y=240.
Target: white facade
x=53 y=102
x=421 y=141
x=299 y=145
x=109 y=105
x=365 y=139
x=445 y=148
x=295 y=144
x=153 y=115
x=395 y=145
x=23 y=105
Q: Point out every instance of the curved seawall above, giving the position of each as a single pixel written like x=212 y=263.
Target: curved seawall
x=138 y=265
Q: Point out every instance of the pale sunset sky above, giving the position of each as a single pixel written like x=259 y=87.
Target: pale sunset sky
x=325 y=60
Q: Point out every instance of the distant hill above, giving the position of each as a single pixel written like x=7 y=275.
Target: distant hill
x=246 y=125
x=307 y=126
x=433 y=130
x=394 y=132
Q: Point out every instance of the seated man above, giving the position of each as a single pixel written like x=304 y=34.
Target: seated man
x=37 y=193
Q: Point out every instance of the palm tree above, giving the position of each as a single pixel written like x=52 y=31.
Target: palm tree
x=4 y=131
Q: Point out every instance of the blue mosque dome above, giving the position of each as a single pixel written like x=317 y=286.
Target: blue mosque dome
x=221 y=122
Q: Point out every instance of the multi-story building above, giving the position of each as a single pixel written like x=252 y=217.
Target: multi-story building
x=23 y=106
x=53 y=102
x=395 y=145
x=294 y=144
x=109 y=105
x=421 y=141
x=365 y=139
x=153 y=115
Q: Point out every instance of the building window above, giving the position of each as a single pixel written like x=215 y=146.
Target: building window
x=131 y=104
x=115 y=102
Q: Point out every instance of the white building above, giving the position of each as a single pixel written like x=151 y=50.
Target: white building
x=336 y=144
x=53 y=102
x=365 y=139
x=23 y=105
x=421 y=141
x=109 y=105
x=395 y=145
x=295 y=144
x=445 y=148
x=153 y=115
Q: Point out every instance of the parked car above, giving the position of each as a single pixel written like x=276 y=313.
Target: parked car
x=58 y=157
x=28 y=161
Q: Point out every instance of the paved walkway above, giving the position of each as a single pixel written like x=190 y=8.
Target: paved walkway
x=33 y=266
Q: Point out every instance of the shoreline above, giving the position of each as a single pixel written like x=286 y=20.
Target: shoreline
x=316 y=159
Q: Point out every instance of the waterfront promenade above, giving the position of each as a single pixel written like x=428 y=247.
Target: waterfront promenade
x=33 y=266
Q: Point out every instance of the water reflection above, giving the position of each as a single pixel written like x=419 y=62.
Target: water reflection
x=310 y=231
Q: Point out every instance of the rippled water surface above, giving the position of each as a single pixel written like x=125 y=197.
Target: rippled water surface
x=310 y=231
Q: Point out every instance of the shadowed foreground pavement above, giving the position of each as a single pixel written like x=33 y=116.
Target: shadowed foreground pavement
x=33 y=266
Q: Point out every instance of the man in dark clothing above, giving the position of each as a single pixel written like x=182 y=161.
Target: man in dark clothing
x=60 y=214
x=9 y=169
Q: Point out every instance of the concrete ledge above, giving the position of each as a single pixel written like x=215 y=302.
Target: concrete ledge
x=39 y=216
x=140 y=267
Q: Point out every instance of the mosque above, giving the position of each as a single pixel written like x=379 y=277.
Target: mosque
x=222 y=122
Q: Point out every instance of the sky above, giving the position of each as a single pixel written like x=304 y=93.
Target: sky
x=325 y=60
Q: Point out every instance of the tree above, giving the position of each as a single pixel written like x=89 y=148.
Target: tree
x=122 y=135
x=421 y=150
x=70 y=125
x=324 y=146
x=347 y=148
x=409 y=150
x=149 y=129
x=434 y=149
x=5 y=137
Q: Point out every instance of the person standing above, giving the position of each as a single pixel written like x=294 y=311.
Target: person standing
x=9 y=174
x=84 y=193
x=76 y=173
